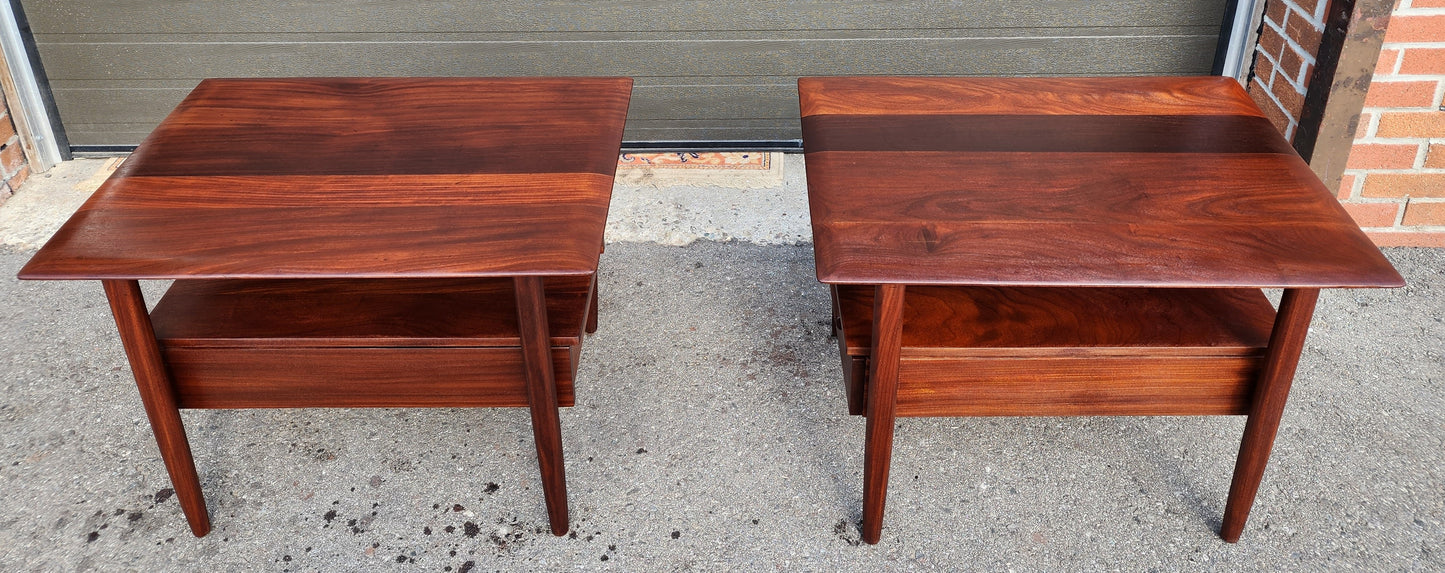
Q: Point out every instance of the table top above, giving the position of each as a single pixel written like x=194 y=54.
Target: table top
x=1178 y=182
x=357 y=177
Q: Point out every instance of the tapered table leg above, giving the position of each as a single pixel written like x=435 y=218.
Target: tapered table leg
x=542 y=397
x=158 y=397
x=836 y=324
x=1285 y=344
x=882 y=400
x=592 y=307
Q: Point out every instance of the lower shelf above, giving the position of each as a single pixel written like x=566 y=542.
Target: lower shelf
x=993 y=351
x=365 y=343
x=359 y=377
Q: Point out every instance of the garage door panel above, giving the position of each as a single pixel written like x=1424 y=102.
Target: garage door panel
x=107 y=133
x=632 y=37
x=933 y=55
x=767 y=129
x=657 y=101
x=642 y=130
x=704 y=71
x=423 y=16
x=122 y=105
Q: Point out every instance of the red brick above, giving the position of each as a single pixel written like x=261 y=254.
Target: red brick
x=1406 y=239
x=19 y=178
x=1401 y=94
x=1402 y=184
x=1382 y=156
x=1428 y=4
x=1270 y=42
x=1347 y=186
x=1292 y=100
x=11 y=157
x=1309 y=7
x=1263 y=68
x=1421 y=213
x=1303 y=32
x=1411 y=124
x=1386 y=64
x=1362 y=128
x=1435 y=157
x=1259 y=93
x=1291 y=65
x=1424 y=61
x=1277 y=12
x=1373 y=214
x=7 y=128
x=1415 y=28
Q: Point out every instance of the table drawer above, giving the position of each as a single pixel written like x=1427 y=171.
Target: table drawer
x=231 y=377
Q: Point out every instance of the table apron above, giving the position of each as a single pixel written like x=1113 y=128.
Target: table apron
x=359 y=377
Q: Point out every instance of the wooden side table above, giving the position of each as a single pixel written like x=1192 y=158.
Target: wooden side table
x=397 y=242
x=1068 y=246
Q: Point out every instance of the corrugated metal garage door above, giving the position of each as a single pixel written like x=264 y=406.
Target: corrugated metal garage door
x=705 y=70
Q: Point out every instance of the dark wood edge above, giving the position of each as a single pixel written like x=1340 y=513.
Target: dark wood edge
x=28 y=275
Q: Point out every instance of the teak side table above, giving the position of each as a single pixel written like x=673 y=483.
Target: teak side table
x=347 y=242
x=1066 y=247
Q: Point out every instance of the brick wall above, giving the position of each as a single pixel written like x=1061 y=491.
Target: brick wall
x=1394 y=182
x=13 y=169
x=1284 y=59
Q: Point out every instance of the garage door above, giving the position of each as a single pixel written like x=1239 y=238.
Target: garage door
x=706 y=71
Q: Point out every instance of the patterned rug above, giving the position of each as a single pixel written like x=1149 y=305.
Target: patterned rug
x=729 y=169
x=747 y=160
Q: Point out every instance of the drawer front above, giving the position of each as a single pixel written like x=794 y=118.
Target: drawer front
x=1080 y=386
x=358 y=377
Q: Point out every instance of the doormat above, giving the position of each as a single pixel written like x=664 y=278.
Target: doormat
x=687 y=160
x=731 y=169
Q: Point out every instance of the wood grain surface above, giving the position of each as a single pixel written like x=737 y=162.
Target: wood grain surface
x=872 y=95
x=882 y=399
x=1119 y=385
x=1296 y=308
x=159 y=397
x=1078 y=322
x=1045 y=133
x=542 y=396
x=359 y=377
x=993 y=351
x=359 y=313
x=351 y=177
x=347 y=242
x=1068 y=182
x=388 y=126
x=1046 y=231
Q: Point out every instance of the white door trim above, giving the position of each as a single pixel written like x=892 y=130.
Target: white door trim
x=1241 y=39
x=22 y=93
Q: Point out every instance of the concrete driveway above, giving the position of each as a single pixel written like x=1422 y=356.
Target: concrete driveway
x=711 y=433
